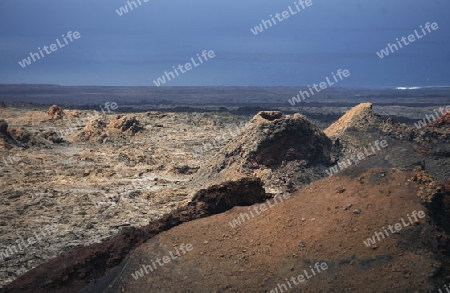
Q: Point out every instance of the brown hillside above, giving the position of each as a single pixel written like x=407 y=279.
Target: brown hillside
x=325 y=222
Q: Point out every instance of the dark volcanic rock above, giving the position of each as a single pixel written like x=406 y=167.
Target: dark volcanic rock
x=3 y=126
x=271 y=115
x=222 y=197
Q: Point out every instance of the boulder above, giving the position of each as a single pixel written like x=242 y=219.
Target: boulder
x=55 y=112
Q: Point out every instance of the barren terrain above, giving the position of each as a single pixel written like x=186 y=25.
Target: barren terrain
x=102 y=178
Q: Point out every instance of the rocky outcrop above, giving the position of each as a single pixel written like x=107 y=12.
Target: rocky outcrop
x=98 y=130
x=126 y=124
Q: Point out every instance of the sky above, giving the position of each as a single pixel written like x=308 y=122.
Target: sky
x=138 y=47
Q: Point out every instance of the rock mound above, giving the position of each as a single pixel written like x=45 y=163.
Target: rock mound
x=279 y=149
x=98 y=130
x=126 y=124
x=93 y=131
x=55 y=112
x=360 y=117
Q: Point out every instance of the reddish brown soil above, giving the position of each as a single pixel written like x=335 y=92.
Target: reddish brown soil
x=310 y=227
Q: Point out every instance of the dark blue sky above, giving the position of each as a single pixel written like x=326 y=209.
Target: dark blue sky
x=136 y=48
